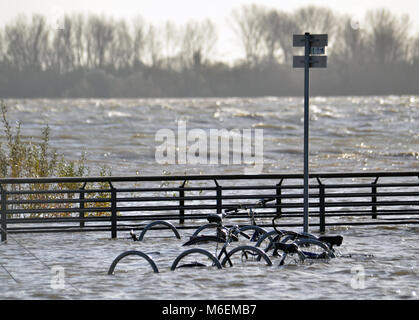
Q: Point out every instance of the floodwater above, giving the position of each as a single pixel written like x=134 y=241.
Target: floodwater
x=348 y=134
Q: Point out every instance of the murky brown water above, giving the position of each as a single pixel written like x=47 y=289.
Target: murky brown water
x=392 y=272
x=347 y=134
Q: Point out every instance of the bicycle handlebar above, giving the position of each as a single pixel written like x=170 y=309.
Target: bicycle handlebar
x=260 y=203
x=265 y=201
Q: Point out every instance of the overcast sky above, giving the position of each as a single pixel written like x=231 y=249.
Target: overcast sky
x=180 y=11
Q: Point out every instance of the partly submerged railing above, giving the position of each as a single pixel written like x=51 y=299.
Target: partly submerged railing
x=124 y=203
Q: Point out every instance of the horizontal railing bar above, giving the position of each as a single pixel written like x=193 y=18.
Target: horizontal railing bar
x=316 y=186
x=58 y=210
x=76 y=191
x=208 y=207
x=224 y=197
x=200 y=216
x=350 y=223
x=370 y=211
x=95 y=219
x=261 y=196
x=226 y=188
x=57 y=220
x=370 y=203
x=367 y=214
x=369 y=194
x=55 y=227
x=36 y=201
x=64 y=230
x=205 y=177
x=129 y=227
x=166 y=189
x=270 y=187
x=107 y=229
x=369 y=185
x=227 y=197
x=196 y=207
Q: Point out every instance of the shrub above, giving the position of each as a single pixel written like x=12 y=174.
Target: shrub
x=20 y=158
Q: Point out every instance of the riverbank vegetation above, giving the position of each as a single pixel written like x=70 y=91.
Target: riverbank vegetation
x=26 y=158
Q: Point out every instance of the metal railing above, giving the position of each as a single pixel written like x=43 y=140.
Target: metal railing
x=116 y=204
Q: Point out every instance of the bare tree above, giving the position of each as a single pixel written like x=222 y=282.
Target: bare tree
x=62 y=47
x=38 y=42
x=199 y=40
x=389 y=35
x=121 y=51
x=277 y=29
x=247 y=24
x=350 y=45
x=152 y=48
x=172 y=45
x=27 y=44
x=99 y=35
x=315 y=19
x=2 y=47
x=138 y=39
x=415 y=50
x=271 y=26
x=79 y=44
x=15 y=36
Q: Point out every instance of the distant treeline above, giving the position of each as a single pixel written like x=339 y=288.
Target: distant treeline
x=99 y=56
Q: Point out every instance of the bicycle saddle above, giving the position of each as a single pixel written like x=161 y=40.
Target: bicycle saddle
x=332 y=240
x=214 y=218
x=286 y=247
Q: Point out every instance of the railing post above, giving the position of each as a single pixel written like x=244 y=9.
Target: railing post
x=182 y=203
x=219 y=198
x=81 y=205
x=279 y=199
x=113 y=212
x=3 y=214
x=374 y=199
x=322 y=206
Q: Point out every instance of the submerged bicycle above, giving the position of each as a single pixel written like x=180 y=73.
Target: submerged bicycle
x=217 y=221
x=224 y=256
x=227 y=235
x=283 y=243
x=305 y=245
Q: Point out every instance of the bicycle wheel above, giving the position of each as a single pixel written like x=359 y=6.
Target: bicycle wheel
x=136 y=253
x=165 y=223
x=247 y=253
x=193 y=252
x=314 y=249
x=265 y=240
x=289 y=253
x=251 y=232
